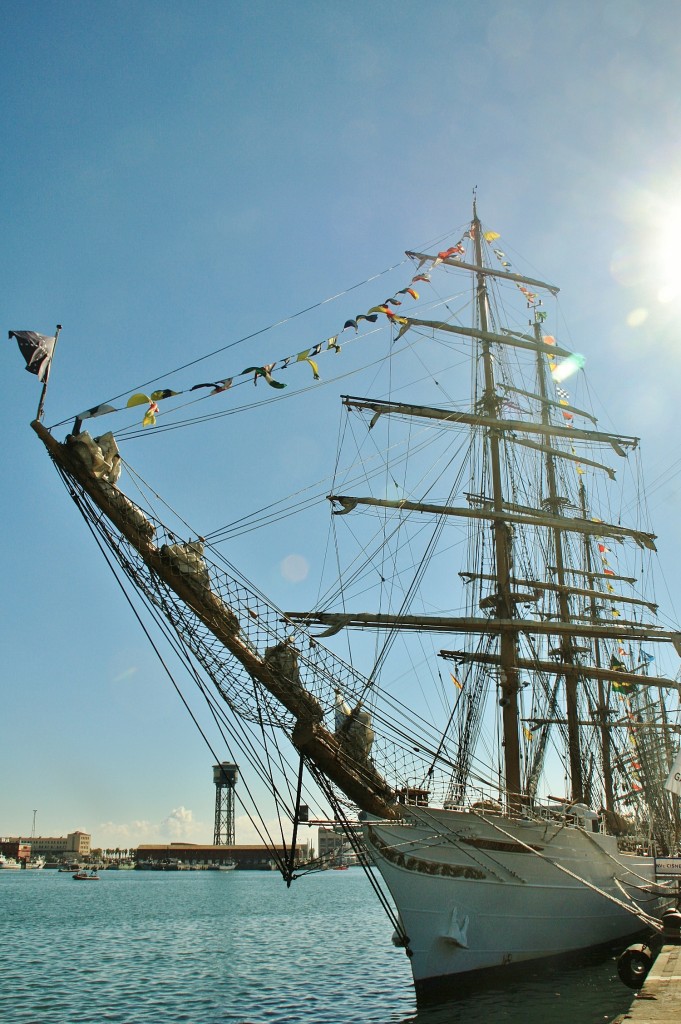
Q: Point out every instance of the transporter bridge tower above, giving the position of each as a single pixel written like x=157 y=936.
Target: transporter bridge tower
x=225 y=777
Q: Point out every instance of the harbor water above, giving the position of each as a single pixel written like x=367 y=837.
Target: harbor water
x=233 y=947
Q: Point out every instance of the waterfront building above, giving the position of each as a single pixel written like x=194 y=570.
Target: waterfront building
x=330 y=843
x=332 y=847
x=15 y=848
x=253 y=858
x=75 y=845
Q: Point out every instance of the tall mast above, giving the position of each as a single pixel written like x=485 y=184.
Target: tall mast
x=606 y=751
x=566 y=641
x=508 y=669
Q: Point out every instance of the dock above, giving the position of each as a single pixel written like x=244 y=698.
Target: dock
x=659 y=1000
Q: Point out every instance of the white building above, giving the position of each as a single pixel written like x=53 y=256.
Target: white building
x=75 y=844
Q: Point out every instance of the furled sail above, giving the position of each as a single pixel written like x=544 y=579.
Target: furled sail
x=206 y=604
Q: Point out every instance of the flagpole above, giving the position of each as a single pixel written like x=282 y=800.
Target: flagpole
x=39 y=414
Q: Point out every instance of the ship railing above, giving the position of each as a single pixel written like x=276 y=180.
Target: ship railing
x=478 y=798
x=551 y=810
x=569 y=813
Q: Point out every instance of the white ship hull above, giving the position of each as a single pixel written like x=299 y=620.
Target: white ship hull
x=472 y=897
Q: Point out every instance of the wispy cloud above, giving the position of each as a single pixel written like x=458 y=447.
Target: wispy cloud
x=180 y=824
x=125 y=674
x=177 y=826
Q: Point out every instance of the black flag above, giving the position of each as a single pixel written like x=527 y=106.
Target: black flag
x=37 y=350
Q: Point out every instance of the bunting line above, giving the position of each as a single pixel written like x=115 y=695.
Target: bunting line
x=390 y=308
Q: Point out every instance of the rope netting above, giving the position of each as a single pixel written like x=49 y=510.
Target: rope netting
x=261 y=663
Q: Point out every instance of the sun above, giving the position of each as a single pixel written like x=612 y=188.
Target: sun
x=666 y=253
x=648 y=264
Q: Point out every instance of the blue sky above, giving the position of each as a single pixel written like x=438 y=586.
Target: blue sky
x=177 y=176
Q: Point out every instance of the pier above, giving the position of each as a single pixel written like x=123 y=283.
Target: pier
x=659 y=1000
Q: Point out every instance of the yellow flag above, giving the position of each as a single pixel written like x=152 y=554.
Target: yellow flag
x=150 y=416
x=528 y=733
x=138 y=399
x=456 y=681
x=491 y=236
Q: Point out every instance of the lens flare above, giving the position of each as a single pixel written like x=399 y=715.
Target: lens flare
x=637 y=317
x=568 y=367
x=294 y=568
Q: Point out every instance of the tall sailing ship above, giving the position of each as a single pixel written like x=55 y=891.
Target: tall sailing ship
x=512 y=797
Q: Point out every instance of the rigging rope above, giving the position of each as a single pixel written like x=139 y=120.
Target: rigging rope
x=249 y=337
x=261 y=829
x=650 y=922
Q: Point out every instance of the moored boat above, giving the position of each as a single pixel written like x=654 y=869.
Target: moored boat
x=554 y=677
x=35 y=864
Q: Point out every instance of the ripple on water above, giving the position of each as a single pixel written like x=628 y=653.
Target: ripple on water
x=217 y=948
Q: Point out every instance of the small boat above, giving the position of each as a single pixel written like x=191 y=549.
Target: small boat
x=85 y=876
x=9 y=863
x=37 y=864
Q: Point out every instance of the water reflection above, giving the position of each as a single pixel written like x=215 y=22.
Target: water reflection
x=584 y=992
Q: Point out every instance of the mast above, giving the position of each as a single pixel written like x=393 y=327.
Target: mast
x=566 y=643
x=666 y=733
x=508 y=669
x=606 y=752
x=43 y=394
